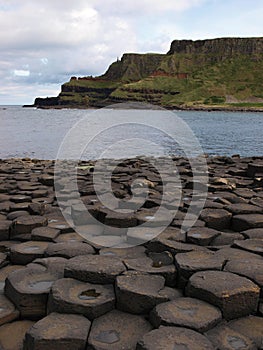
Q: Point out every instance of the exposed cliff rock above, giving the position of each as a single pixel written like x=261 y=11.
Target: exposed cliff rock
x=214 y=73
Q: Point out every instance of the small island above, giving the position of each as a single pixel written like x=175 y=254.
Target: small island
x=214 y=74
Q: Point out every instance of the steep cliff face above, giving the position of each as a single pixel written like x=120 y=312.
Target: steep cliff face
x=224 y=72
x=221 y=48
x=133 y=67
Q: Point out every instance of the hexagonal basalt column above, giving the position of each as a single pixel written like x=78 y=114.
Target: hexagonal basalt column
x=236 y=296
x=58 y=331
x=138 y=293
x=94 y=268
x=72 y=296
x=28 y=289
x=186 y=312
x=174 y=338
x=26 y=252
x=117 y=330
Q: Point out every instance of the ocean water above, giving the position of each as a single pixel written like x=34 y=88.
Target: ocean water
x=38 y=133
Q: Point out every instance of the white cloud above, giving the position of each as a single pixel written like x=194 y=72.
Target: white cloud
x=43 y=43
x=21 y=73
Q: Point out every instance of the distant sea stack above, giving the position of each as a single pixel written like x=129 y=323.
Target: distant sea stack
x=224 y=73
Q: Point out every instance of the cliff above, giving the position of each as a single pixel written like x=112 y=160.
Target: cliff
x=215 y=73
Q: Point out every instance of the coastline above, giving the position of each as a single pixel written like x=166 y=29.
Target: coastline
x=179 y=108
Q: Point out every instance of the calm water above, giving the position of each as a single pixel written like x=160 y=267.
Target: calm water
x=39 y=133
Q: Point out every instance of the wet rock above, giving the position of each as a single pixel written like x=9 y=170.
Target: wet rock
x=186 y=312
x=236 y=296
x=25 y=224
x=189 y=263
x=218 y=219
x=251 y=245
x=75 y=297
x=174 y=338
x=17 y=330
x=69 y=249
x=138 y=293
x=225 y=338
x=4 y=229
x=28 y=289
x=247 y=221
x=251 y=327
x=253 y=233
x=202 y=236
x=147 y=265
x=26 y=252
x=94 y=268
x=70 y=332
x=117 y=330
x=44 y=234
x=8 y=312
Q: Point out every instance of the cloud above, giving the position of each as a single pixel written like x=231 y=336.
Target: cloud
x=43 y=43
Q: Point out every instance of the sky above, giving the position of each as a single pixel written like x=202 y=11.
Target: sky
x=44 y=43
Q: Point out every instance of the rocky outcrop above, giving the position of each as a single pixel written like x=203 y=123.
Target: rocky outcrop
x=222 y=47
x=223 y=73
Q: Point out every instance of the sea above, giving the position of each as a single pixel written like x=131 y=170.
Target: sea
x=93 y=134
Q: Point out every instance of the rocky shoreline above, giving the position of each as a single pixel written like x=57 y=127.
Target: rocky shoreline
x=199 y=289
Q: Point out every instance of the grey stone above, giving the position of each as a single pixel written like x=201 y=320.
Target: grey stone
x=252 y=245
x=225 y=338
x=189 y=263
x=251 y=327
x=71 y=296
x=247 y=221
x=138 y=293
x=117 y=330
x=219 y=219
x=174 y=338
x=8 y=312
x=69 y=249
x=28 y=289
x=26 y=252
x=186 y=312
x=236 y=296
x=147 y=265
x=44 y=234
x=94 y=268
x=12 y=334
x=58 y=331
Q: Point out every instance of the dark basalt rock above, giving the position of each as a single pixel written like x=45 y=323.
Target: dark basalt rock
x=251 y=327
x=223 y=337
x=174 y=338
x=69 y=249
x=70 y=332
x=28 y=289
x=186 y=312
x=26 y=252
x=94 y=268
x=138 y=293
x=71 y=296
x=117 y=330
x=12 y=334
x=236 y=296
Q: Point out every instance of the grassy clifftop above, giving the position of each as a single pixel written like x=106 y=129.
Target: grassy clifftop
x=219 y=73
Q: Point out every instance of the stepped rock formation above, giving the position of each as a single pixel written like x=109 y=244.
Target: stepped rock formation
x=224 y=73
